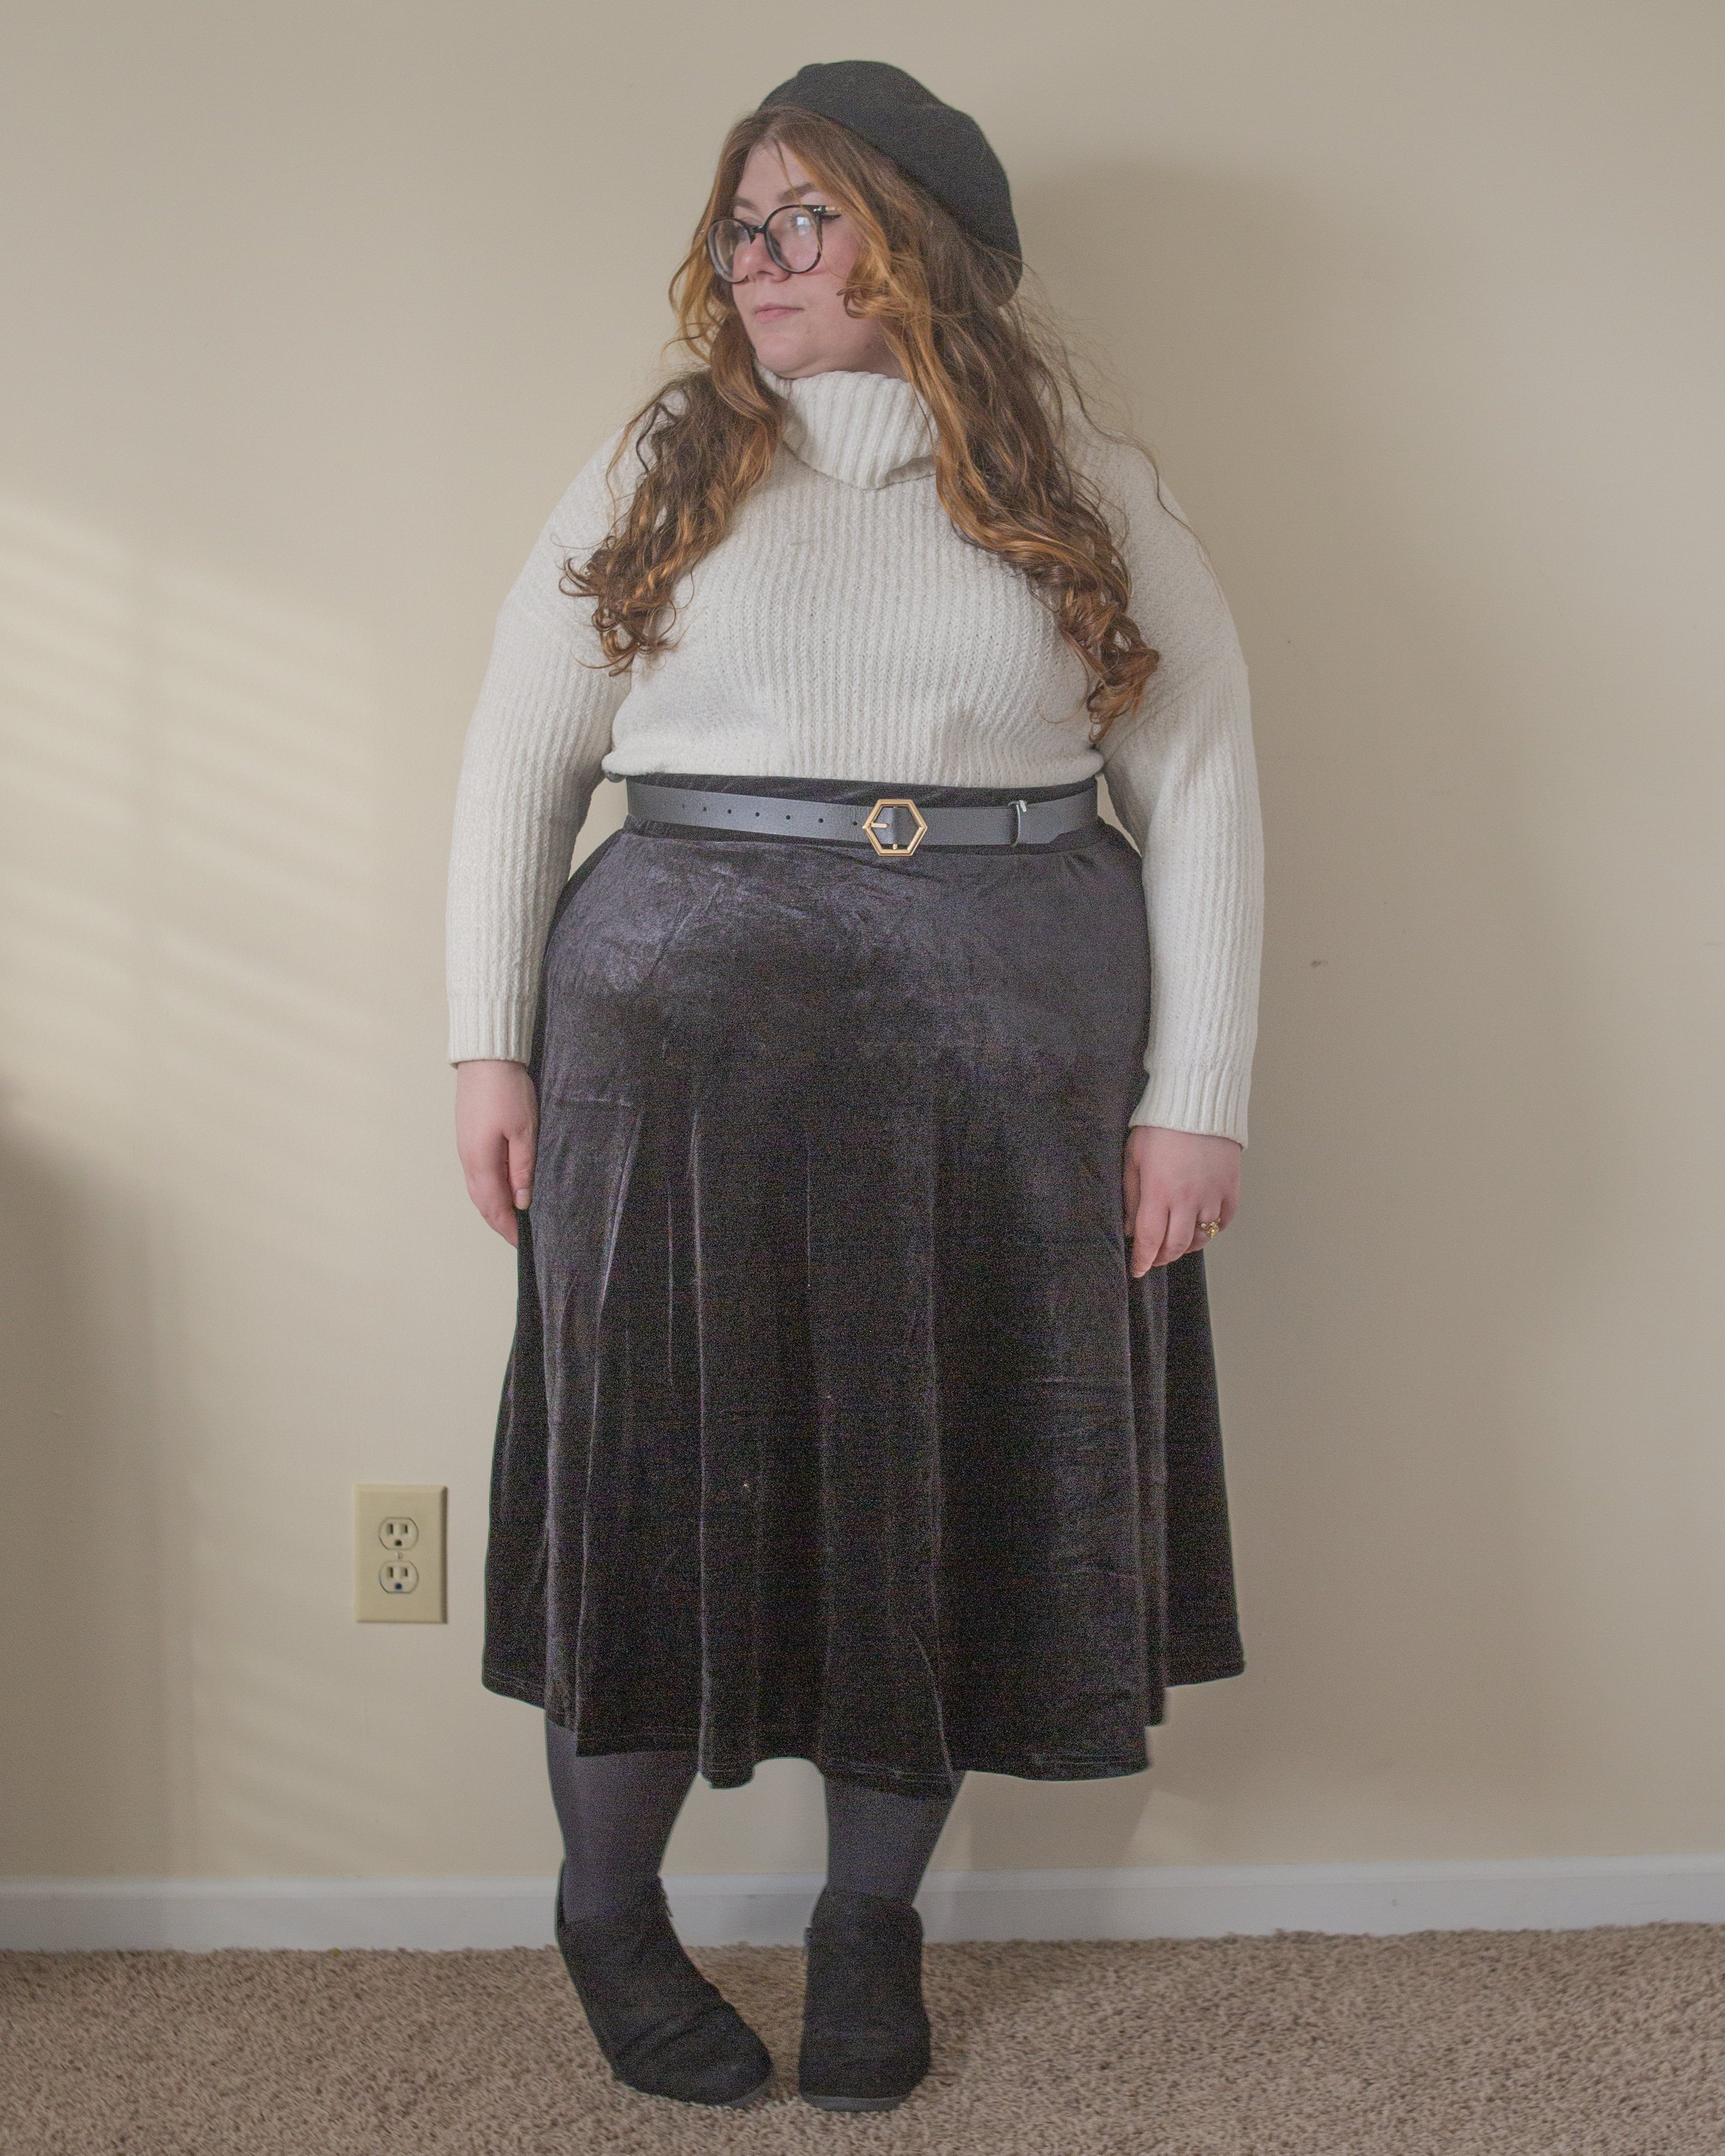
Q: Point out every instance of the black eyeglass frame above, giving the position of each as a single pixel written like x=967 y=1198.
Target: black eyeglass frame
x=822 y=216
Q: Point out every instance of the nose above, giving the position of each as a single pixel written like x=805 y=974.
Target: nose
x=752 y=260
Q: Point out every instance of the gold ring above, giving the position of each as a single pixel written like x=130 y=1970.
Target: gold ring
x=1211 y=1228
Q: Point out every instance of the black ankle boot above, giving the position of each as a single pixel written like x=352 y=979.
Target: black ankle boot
x=663 y=2028
x=864 y=2027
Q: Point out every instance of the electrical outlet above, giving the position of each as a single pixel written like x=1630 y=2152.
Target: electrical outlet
x=389 y=1520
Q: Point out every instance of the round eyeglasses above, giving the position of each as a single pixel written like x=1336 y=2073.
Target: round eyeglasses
x=792 y=234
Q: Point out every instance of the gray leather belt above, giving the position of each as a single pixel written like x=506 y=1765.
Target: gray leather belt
x=894 y=825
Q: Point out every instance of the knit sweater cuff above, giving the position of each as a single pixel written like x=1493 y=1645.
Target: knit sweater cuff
x=487 y=1027
x=1208 y=1103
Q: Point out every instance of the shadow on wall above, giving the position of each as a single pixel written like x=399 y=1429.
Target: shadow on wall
x=1422 y=1094
x=82 y=1706
x=191 y=1102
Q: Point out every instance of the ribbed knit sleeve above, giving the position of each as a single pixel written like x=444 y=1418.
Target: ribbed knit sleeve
x=1183 y=782
x=532 y=759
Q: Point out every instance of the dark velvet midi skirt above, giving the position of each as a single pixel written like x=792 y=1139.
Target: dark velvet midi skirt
x=835 y=1427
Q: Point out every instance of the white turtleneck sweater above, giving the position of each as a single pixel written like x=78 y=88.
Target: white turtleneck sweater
x=842 y=629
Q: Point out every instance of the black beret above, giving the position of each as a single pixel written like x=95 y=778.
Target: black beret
x=935 y=144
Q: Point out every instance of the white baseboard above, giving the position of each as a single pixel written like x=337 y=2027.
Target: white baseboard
x=1182 y=1901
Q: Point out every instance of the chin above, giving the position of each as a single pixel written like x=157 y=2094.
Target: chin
x=780 y=355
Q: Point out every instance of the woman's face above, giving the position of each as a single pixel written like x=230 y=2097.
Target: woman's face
x=798 y=325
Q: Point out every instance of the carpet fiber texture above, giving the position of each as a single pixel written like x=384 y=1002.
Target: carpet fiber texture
x=1467 y=2043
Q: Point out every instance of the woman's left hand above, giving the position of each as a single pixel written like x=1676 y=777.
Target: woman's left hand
x=1173 y=1180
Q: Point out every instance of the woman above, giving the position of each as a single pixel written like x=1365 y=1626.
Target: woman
x=847 y=1419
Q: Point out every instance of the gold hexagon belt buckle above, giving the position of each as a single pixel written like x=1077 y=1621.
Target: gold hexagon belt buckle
x=892 y=847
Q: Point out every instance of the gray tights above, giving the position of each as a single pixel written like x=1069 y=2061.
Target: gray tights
x=616 y=1810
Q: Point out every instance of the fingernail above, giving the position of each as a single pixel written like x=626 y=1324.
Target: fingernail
x=520 y=1200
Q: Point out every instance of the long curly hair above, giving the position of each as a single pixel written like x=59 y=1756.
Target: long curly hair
x=996 y=384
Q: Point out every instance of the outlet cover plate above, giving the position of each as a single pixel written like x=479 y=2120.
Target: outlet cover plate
x=398 y=1533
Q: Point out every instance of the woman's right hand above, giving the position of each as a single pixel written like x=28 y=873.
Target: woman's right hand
x=496 y=1129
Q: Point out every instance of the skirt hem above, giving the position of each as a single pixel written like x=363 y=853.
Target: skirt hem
x=736 y=1770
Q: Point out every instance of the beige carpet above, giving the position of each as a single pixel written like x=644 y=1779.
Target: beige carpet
x=1470 y=2043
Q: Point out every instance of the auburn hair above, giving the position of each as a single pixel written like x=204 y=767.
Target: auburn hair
x=996 y=384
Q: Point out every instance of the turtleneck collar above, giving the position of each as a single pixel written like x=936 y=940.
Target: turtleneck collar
x=869 y=430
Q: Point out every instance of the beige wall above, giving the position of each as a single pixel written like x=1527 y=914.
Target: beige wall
x=311 y=313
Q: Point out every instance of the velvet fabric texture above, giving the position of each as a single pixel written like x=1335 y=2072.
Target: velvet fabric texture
x=835 y=1427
